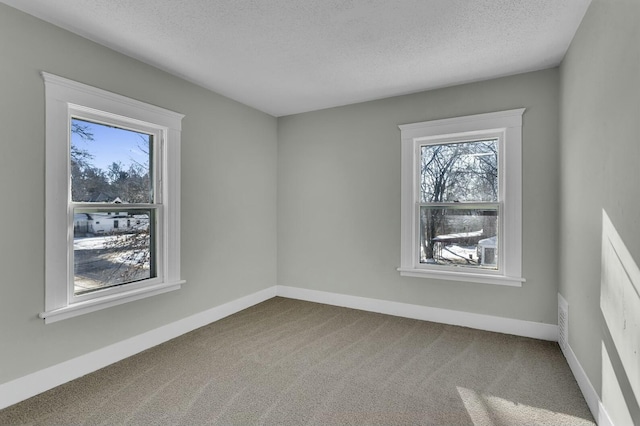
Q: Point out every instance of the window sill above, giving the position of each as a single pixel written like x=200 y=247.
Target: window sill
x=97 y=304
x=462 y=276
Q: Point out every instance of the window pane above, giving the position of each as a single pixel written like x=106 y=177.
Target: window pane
x=110 y=164
x=459 y=237
x=466 y=171
x=112 y=248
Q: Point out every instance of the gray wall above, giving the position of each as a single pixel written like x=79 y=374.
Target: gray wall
x=337 y=174
x=600 y=169
x=339 y=198
x=229 y=154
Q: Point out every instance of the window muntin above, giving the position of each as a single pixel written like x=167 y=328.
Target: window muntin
x=459 y=203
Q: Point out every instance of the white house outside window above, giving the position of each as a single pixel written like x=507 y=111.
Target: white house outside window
x=461 y=198
x=112 y=199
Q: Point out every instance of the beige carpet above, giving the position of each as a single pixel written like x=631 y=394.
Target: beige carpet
x=291 y=362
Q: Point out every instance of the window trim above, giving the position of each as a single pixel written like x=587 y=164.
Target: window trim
x=63 y=98
x=507 y=124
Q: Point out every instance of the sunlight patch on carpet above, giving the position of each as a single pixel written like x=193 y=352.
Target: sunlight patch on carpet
x=490 y=410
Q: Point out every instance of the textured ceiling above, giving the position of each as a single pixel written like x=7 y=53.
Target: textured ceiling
x=290 y=56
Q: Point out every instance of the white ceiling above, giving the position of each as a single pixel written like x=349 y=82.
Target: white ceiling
x=290 y=56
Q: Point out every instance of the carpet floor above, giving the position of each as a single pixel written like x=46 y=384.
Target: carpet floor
x=290 y=362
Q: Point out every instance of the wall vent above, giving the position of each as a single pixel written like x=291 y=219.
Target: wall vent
x=563 y=324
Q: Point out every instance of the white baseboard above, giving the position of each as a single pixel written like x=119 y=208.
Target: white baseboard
x=588 y=391
x=32 y=384
x=465 y=319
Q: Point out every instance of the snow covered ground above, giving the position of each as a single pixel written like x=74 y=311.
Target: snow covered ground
x=102 y=262
x=454 y=252
x=91 y=243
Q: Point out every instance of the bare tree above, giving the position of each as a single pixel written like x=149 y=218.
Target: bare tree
x=133 y=252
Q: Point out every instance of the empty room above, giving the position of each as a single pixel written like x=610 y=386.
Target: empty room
x=320 y=212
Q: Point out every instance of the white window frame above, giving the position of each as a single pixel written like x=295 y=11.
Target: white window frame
x=66 y=99
x=507 y=127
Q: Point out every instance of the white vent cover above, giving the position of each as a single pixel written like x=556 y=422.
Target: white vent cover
x=563 y=324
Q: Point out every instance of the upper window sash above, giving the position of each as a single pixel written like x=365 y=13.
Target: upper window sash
x=481 y=137
x=158 y=135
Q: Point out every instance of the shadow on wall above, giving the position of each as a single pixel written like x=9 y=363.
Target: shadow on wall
x=620 y=308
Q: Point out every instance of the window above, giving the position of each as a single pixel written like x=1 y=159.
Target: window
x=111 y=162
x=461 y=198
